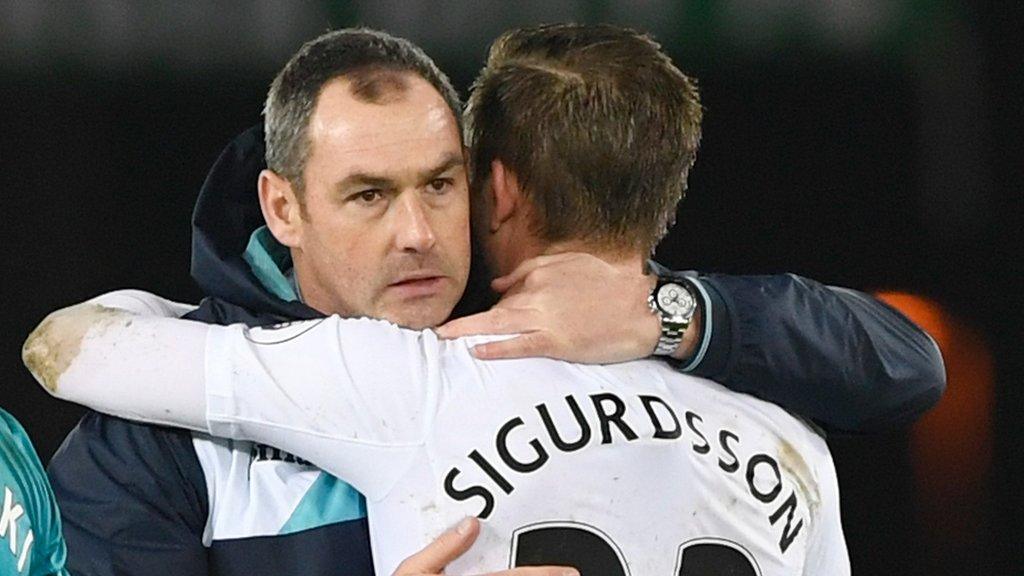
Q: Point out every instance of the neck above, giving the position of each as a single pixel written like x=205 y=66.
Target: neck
x=308 y=289
x=626 y=258
x=293 y=279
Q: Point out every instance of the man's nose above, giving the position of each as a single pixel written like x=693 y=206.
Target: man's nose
x=414 y=231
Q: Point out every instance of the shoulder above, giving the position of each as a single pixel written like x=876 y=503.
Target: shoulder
x=115 y=457
x=13 y=435
x=367 y=338
x=216 y=311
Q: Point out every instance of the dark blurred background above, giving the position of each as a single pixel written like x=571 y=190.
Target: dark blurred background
x=872 y=144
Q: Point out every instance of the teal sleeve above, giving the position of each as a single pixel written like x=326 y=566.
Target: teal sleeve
x=31 y=542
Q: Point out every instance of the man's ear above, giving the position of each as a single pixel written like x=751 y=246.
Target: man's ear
x=281 y=209
x=507 y=195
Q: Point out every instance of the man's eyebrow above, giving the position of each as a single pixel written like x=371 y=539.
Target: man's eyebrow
x=448 y=162
x=364 y=179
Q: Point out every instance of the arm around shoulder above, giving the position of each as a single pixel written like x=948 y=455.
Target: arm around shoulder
x=838 y=356
x=112 y=354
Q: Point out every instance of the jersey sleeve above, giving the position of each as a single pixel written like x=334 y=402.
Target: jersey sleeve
x=840 y=357
x=132 y=498
x=143 y=303
x=354 y=397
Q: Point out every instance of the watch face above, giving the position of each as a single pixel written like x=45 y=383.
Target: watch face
x=675 y=300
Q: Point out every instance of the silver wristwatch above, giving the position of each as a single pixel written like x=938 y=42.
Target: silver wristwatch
x=675 y=304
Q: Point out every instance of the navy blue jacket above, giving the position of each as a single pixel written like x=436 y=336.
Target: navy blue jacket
x=141 y=499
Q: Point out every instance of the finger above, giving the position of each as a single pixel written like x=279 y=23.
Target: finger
x=498 y=320
x=503 y=283
x=531 y=345
x=442 y=551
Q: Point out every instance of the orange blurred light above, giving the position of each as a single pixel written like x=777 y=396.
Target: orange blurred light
x=951 y=446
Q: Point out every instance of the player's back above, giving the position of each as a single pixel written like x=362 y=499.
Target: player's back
x=622 y=469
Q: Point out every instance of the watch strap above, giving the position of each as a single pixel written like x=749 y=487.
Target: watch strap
x=673 y=327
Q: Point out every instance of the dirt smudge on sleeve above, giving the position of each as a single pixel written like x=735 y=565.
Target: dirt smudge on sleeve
x=53 y=346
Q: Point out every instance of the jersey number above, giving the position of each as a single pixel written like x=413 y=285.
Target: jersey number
x=592 y=552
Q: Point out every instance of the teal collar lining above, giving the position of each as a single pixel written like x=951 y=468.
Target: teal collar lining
x=269 y=262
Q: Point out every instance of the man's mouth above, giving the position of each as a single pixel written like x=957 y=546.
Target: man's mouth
x=419 y=285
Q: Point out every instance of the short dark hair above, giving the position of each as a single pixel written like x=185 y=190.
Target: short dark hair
x=374 y=61
x=596 y=122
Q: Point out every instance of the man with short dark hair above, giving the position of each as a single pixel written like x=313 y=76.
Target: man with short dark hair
x=402 y=148
x=371 y=229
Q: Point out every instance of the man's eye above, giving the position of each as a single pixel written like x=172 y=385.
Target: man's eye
x=439 y=185
x=367 y=196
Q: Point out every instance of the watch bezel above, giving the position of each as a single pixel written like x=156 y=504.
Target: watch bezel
x=683 y=317
x=673 y=326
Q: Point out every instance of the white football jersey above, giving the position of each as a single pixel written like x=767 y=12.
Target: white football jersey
x=622 y=469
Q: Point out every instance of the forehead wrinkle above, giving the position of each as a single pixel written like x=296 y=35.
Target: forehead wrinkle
x=393 y=142
x=383 y=145
x=387 y=132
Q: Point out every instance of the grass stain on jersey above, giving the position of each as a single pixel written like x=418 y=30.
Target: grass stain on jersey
x=794 y=465
x=53 y=346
